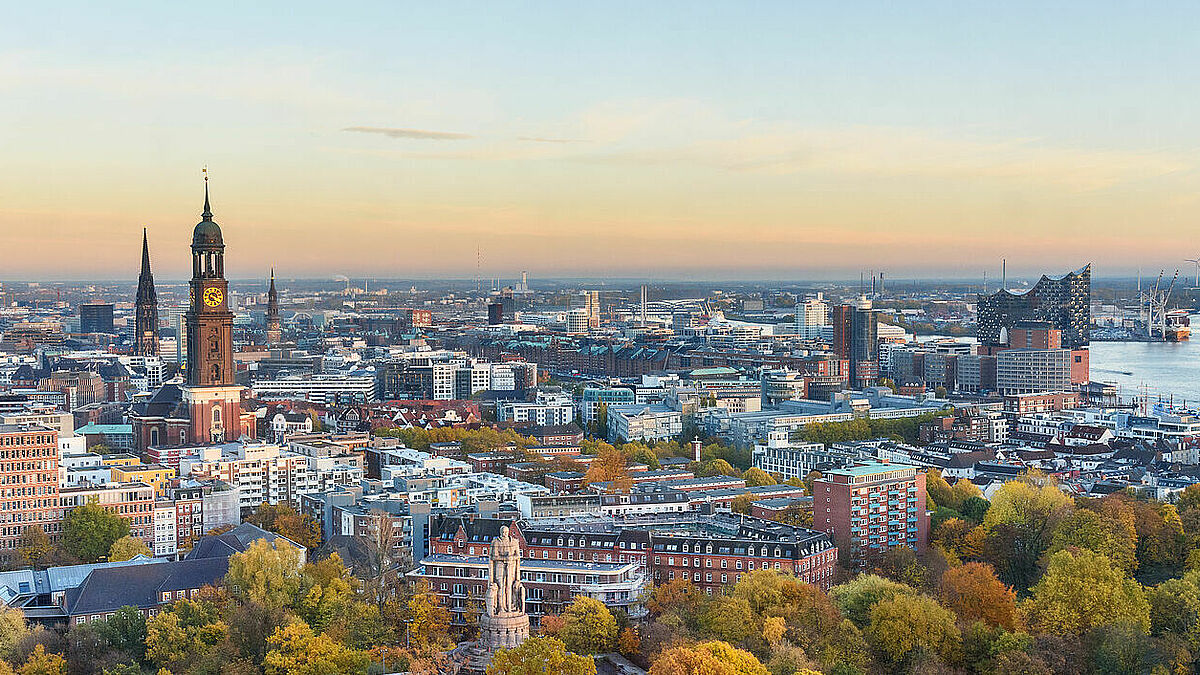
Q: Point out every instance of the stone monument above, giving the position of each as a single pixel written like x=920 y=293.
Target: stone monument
x=504 y=623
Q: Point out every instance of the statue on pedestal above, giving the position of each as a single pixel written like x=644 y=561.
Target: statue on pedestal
x=504 y=623
x=504 y=582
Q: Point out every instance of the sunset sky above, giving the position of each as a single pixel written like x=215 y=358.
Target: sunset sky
x=788 y=140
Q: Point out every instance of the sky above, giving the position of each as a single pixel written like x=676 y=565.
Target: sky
x=703 y=140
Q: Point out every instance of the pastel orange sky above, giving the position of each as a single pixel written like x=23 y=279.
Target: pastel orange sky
x=682 y=141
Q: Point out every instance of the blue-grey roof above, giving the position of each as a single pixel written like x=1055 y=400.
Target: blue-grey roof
x=111 y=588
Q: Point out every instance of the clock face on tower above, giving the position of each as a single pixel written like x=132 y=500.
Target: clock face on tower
x=213 y=296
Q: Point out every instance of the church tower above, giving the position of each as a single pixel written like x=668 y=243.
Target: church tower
x=145 y=332
x=214 y=399
x=274 y=330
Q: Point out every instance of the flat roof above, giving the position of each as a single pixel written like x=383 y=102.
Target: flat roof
x=872 y=468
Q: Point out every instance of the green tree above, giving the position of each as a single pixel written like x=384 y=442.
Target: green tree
x=266 y=572
x=1118 y=648
x=906 y=626
x=728 y=619
x=590 y=627
x=90 y=530
x=859 y=596
x=125 y=632
x=1082 y=590
x=1175 y=608
x=127 y=548
x=540 y=656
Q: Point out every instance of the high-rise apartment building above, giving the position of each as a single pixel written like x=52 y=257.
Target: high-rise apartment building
x=856 y=338
x=870 y=508
x=811 y=315
x=28 y=484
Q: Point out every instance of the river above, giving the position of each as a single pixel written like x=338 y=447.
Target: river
x=1162 y=368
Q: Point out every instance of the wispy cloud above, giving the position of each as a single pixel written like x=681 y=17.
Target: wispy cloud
x=538 y=139
x=422 y=134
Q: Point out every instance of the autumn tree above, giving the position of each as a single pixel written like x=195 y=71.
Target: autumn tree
x=127 y=548
x=266 y=572
x=42 y=663
x=1020 y=525
x=755 y=477
x=628 y=641
x=186 y=632
x=297 y=650
x=717 y=467
x=88 y=531
x=741 y=503
x=608 y=467
x=729 y=619
x=708 y=658
x=678 y=599
x=1081 y=590
x=326 y=589
x=12 y=628
x=387 y=557
x=1113 y=537
x=974 y=593
x=34 y=544
x=286 y=521
x=429 y=620
x=905 y=626
x=590 y=627
x=540 y=656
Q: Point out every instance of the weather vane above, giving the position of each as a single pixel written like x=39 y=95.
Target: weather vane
x=205 y=172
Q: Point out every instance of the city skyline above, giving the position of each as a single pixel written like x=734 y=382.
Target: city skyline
x=677 y=142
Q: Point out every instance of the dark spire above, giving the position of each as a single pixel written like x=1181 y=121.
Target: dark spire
x=145 y=254
x=146 y=307
x=272 y=297
x=207 y=215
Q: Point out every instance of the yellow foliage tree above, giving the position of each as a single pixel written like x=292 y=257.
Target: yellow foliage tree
x=128 y=548
x=42 y=663
x=1081 y=590
x=540 y=656
x=429 y=620
x=296 y=650
x=590 y=628
x=709 y=658
x=267 y=573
